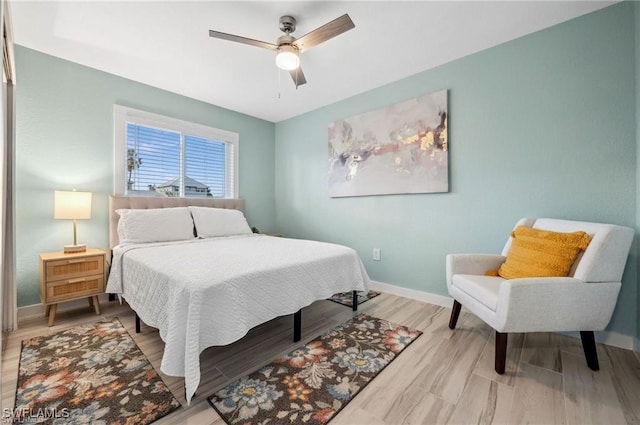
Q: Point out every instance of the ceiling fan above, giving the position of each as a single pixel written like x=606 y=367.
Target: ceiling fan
x=288 y=47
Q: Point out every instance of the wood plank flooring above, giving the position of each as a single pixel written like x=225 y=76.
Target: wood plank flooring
x=445 y=377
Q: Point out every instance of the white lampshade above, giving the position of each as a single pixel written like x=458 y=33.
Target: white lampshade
x=72 y=205
x=287 y=58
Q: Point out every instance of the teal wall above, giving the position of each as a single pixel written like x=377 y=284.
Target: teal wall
x=64 y=140
x=542 y=126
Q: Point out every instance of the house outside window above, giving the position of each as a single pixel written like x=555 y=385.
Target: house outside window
x=166 y=157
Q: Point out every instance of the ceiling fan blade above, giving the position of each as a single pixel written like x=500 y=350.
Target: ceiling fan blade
x=298 y=77
x=325 y=32
x=243 y=40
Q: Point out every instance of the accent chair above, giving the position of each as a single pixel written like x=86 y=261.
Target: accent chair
x=582 y=301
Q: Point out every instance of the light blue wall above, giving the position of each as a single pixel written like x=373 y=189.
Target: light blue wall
x=543 y=126
x=64 y=140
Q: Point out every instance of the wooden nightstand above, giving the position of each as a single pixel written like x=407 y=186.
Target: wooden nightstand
x=66 y=277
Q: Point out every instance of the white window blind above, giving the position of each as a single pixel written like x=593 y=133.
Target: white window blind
x=205 y=161
x=167 y=157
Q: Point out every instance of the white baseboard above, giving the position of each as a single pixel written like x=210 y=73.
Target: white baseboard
x=425 y=297
x=613 y=339
x=617 y=340
x=604 y=337
x=38 y=309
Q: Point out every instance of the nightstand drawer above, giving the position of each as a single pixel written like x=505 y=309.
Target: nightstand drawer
x=74 y=267
x=74 y=288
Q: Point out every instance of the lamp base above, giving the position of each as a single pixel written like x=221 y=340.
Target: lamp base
x=72 y=249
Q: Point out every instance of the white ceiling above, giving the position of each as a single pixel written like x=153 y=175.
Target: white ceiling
x=166 y=44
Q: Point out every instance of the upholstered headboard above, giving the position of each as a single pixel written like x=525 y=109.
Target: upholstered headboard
x=144 y=202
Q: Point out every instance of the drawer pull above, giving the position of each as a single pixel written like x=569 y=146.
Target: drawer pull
x=80 y=279
x=81 y=260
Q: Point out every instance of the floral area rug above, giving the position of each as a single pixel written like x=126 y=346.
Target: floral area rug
x=91 y=374
x=311 y=384
x=346 y=298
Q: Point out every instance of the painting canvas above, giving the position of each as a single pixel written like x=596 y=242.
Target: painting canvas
x=401 y=148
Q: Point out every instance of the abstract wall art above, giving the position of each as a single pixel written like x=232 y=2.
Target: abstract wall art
x=401 y=148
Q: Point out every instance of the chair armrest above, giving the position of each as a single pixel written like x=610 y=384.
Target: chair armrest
x=478 y=264
x=555 y=304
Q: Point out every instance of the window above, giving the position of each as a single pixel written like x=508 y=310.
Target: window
x=161 y=156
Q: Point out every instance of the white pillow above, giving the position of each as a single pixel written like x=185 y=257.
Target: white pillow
x=154 y=225
x=212 y=222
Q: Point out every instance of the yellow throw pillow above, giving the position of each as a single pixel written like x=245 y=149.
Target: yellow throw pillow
x=542 y=253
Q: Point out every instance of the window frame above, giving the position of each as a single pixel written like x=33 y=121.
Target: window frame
x=123 y=115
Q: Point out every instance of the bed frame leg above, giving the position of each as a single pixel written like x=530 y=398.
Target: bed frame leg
x=137 y=323
x=297 y=325
x=355 y=301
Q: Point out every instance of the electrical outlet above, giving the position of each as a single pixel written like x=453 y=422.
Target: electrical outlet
x=376 y=254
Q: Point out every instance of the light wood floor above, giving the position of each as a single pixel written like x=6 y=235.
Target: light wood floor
x=444 y=377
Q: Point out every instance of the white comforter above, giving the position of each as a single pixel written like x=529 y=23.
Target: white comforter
x=208 y=292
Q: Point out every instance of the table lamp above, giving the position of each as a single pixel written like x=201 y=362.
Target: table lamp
x=72 y=205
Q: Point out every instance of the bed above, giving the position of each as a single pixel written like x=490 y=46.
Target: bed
x=211 y=289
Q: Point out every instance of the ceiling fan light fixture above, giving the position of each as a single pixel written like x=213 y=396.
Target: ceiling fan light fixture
x=288 y=47
x=287 y=58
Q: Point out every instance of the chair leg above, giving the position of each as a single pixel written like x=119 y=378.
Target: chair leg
x=589 y=347
x=501 y=351
x=455 y=313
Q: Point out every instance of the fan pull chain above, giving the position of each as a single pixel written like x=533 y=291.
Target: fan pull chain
x=279 y=82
